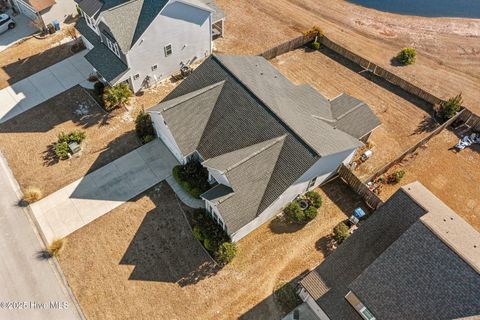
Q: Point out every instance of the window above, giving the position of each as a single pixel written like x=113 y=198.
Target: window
x=366 y=314
x=113 y=46
x=135 y=77
x=168 y=50
x=154 y=67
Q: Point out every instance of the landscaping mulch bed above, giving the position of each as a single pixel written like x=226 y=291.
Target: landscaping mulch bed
x=26 y=140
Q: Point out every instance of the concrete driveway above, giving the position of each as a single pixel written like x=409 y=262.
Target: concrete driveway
x=23 y=29
x=43 y=85
x=99 y=192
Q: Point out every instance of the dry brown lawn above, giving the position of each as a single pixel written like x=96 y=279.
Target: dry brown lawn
x=448 y=60
x=402 y=115
x=33 y=55
x=26 y=140
x=140 y=261
x=452 y=177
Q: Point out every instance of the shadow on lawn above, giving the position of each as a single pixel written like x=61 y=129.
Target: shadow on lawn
x=163 y=248
x=74 y=104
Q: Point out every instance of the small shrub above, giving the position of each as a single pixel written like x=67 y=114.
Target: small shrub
x=315 y=45
x=197 y=233
x=227 y=252
x=294 y=212
x=396 y=177
x=74 y=136
x=193 y=178
x=116 y=96
x=99 y=87
x=31 y=195
x=310 y=213
x=407 y=56
x=56 y=247
x=147 y=139
x=208 y=244
x=61 y=150
x=144 y=127
x=314 y=31
x=286 y=296
x=450 y=107
x=92 y=78
x=314 y=198
x=340 y=232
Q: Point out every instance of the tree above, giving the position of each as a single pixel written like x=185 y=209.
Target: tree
x=450 y=107
x=407 y=56
x=144 y=126
x=116 y=96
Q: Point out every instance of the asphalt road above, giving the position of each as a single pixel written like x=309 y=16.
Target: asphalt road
x=30 y=287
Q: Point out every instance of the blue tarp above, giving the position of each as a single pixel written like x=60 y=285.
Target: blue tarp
x=358 y=213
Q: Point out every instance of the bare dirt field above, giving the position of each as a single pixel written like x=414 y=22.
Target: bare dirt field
x=140 y=261
x=26 y=139
x=33 y=55
x=403 y=116
x=453 y=177
x=448 y=60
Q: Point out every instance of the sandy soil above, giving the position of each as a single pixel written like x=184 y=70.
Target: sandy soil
x=25 y=140
x=402 y=116
x=33 y=55
x=453 y=177
x=448 y=59
x=140 y=262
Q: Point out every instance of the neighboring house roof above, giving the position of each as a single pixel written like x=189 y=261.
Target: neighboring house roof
x=414 y=258
x=100 y=57
x=246 y=132
x=127 y=20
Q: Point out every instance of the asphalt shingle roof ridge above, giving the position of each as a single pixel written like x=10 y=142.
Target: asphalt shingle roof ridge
x=195 y=94
x=274 y=141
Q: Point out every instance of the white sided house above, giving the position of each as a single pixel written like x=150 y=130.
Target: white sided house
x=263 y=139
x=141 y=42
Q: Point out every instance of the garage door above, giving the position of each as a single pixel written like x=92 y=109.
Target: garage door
x=25 y=9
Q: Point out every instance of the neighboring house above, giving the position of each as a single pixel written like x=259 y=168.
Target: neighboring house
x=263 y=139
x=144 y=41
x=414 y=258
x=46 y=11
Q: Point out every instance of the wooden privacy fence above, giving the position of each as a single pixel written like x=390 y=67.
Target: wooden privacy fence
x=470 y=119
x=286 y=47
x=370 y=198
x=413 y=148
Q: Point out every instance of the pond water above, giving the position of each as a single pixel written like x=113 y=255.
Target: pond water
x=426 y=8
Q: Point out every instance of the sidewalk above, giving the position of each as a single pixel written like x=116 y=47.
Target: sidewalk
x=183 y=195
x=43 y=85
x=96 y=194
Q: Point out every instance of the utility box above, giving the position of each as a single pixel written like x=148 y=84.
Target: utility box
x=74 y=147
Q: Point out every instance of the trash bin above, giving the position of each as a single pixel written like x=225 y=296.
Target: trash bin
x=56 y=24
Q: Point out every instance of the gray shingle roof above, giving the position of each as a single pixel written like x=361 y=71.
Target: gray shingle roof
x=398 y=267
x=100 y=57
x=127 y=20
x=426 y=280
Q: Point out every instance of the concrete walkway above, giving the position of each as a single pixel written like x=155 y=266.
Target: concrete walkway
x=99 y=192
x=186 y=198
x=43 y=85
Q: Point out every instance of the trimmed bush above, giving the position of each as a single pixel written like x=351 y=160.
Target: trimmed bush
x=314 y=198
x=227 y=252
x=396 y=177
x=311 y=213
x=32 y=194
x=315 y=45
x=56 y=247
x=197 y=233
x=144 y=127
x=286 y=296
x=61 y=150
x=294 y=212
x=74 y=136
x=450 y=107
x=193 y=178
x=116 y=96
x=407 y=56
x=99 y=88
x=340 y=232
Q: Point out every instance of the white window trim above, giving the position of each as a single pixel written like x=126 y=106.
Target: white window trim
x=113 y=46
